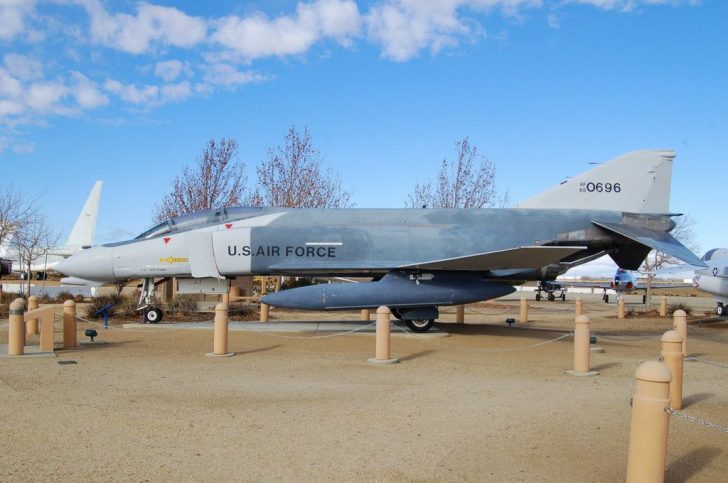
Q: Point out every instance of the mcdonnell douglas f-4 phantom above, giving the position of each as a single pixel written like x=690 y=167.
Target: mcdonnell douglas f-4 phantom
x=420 y=258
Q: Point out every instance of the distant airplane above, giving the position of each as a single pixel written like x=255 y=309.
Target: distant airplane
x=623 y=282
x=714 y=278
x=81 y=237
x=420 y=258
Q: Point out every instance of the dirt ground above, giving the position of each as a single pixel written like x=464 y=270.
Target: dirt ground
x=148 y=405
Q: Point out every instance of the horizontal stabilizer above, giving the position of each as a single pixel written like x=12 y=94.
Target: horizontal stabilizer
x=513 y=258
x=657 y=240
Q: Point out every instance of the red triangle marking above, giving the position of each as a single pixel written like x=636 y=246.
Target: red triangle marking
x=228 y=225
x=166 y=240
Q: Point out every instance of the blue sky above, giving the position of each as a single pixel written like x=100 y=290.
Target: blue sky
x=129 y=93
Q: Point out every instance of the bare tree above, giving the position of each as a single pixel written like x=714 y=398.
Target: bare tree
x=217 y=180
x=293 y=176
x=15 y=211
x=684 y=231
x=33 y=241
x=469 y=182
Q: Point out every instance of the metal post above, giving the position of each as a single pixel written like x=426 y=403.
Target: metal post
x=220 y=332
x=649 y=425
x=382 y=338
x=16 y=328
x=264 y=312
x=524 y=311
x=460 y=314
x=620 y=308
x=663 y=307
x=69 y=324
x=672 y=356
x=32 y=326
x=581 y=348
x=365 y=314
x=680 y=325
x=579 y=310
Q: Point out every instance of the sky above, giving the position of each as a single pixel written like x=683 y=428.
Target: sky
x=130 y=92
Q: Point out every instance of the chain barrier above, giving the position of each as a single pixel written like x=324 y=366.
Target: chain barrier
x=550 y=310
x=695 y=420
x=477 y=312
x=707 y=363
x=625 y=338
x=485 y=350
x=310 y=337
x=591 y=308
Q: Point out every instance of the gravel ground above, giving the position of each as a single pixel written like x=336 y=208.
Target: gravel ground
x=148 y=405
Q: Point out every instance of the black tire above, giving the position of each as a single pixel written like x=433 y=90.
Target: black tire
x=422 y=325
x=538 y=297
x=551 y=297
x=153 y=315
x=606 y=299
x=41 y=276
x=721 y=310
x=563 y=297
x=396 y=313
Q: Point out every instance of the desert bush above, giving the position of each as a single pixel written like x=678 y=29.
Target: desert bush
x=182 y=305
x=79 y=299
x=101 y=301
x=672 y=308
x=63 y=296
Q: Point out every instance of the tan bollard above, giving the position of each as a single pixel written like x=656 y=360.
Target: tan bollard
x=524 y=311
x=69 y=324
x=234 y=293
x=581 y=348
x=680 y=325
x=579 y=310
x=460 y=314
x=648 y=428
x=365 y=314
x=32 y=325
x=226 y=298
x=16 y=328
x=220 y=332
x=672 y=356
x=620 y=308
x=382 y=338
x=663 y=307
x=264 y=309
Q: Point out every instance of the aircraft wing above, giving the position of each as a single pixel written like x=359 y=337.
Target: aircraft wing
x=603 y=285
x=513 y=258
x=657 y=240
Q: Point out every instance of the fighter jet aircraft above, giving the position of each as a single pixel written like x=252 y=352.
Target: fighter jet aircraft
x=624 y=282
x=420 y=258
x=714 y=278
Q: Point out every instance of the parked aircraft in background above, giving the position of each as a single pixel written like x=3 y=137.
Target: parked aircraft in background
x=624 y=282
x=420 y=258
x=80 y=237
x=714 y=278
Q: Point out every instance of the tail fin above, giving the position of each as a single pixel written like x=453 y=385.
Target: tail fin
x=82 y=234
x=636 y=182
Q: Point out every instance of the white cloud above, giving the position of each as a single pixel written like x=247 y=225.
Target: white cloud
x=175 y=92
x=257 y=36
x=9 y=86
x=169 y=70
x=405 y=27
x=149 y=95
x=22 y=67
x=228 y=76
x=46 y=97
x=12 y=17
x=629 y=5
x=86 y=92
x=136 y=34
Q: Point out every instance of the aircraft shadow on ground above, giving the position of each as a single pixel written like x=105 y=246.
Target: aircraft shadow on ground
x=416 y=355
x=688 y=465
x=608 y=365
x=260 y=349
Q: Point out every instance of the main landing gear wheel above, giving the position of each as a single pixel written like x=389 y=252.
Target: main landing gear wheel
x=420 y=325
x=538 y=297
x=153 y=315
x=551 y=297
x=721 y=310
x=563 y=297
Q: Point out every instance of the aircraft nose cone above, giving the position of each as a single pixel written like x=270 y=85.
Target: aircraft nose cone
x=92 y=264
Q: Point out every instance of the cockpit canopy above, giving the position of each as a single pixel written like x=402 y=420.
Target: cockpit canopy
x=715 y=253
x=199 y=219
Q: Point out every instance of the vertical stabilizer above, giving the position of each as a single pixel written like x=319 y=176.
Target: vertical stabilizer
x=636 y=182
x=82 y=234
